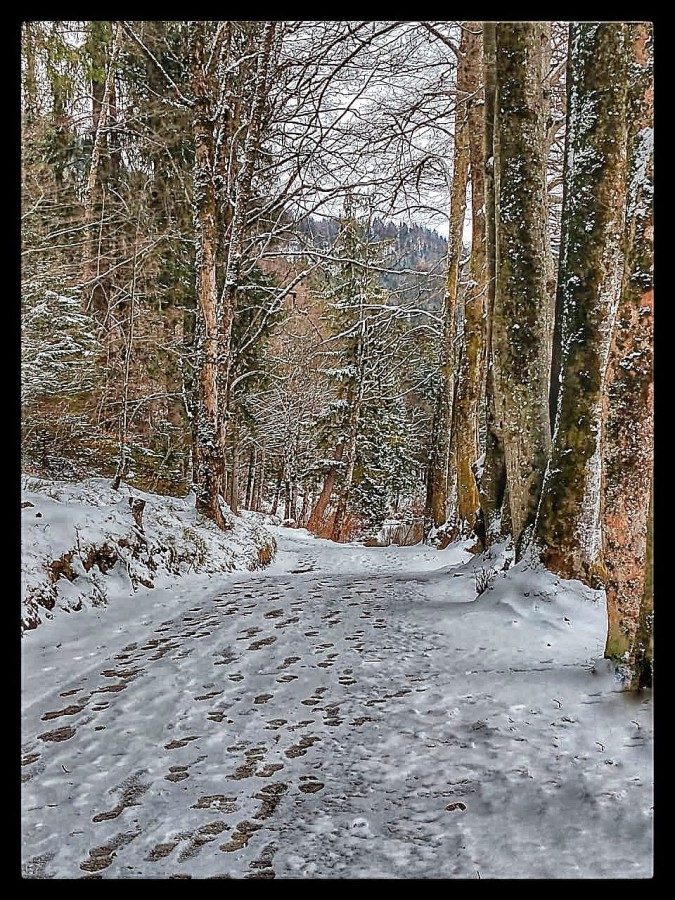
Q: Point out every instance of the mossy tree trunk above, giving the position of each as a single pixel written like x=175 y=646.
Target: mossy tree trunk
x=520 y=333
x=436 y=506
x=628 y=409
x=492 y=478
x=470 y=373
x=589 y=285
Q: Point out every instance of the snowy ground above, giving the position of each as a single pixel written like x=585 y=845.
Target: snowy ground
x=347 y=712
x=82 y=545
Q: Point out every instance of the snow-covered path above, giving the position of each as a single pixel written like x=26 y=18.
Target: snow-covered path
x=348 y=712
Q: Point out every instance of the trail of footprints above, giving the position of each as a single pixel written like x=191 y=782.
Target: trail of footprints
x=250 y=761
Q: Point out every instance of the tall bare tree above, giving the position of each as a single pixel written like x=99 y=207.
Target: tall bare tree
x=436 y=509
x=589 y=287
x=208 y=449
x=492 y=473
x=470 y=379
x=520 y=331
x=628 y=407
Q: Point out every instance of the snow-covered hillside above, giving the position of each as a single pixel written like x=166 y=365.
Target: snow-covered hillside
x=85 y=543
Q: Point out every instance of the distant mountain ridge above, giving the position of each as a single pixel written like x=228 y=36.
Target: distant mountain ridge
x=413 y=247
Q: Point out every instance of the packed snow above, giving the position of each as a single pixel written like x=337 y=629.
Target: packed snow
x=347 y=712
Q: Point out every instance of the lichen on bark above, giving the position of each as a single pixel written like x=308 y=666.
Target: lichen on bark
x=520 y=318
x=589 y=285
x=628 y=411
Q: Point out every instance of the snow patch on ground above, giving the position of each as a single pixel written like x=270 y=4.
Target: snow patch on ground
x=82 y=546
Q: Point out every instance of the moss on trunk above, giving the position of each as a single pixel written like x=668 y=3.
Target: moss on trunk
x=589 y=285
x=519 y=329
x=628 y=410
x=470 y=375
x=492 y=482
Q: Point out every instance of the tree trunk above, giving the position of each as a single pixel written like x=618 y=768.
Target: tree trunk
x=277 y=493
x=234 y=474
x=294 y=499
x=316 y=519
x=557 y=345
x=239 y=215
x=436 y=507
x=259 y=482
x=356 y=400
x=100 y=111
x=549 y=267
x=29 y=81
x=248 y=498
x=520 y=333
x=341 y=509
x=208 y=470
x=465 y=409
x=305 y=506
x=589 y=284
x=628 y=414
x=287 y=497
x=122 y=462
x=492 y=478
x=291 y=484
x=642 y=652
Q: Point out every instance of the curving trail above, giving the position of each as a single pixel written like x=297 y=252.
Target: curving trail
x=349 y=712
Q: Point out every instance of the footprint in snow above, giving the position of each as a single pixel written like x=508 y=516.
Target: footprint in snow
x=360 y=827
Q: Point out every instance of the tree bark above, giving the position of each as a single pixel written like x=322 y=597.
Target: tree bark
x=305 y=506
x=355 y=403
x=436 y=506
x=470 y=380
x=248 y=497
x=557 y=346
x=316 y=519
x=100 y=111
x=259 y=481
x=277 y=493
x=520 y=333
x=589 y=284
x=239 y=215
x=234 y=472
x=492 y=478
x=643 y=645
x=628 y=408
x=294 y=494
x=29 y=81
x=208 y=471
